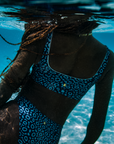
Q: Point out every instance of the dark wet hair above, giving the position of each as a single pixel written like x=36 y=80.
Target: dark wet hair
x=49 y=17
x=39 y=27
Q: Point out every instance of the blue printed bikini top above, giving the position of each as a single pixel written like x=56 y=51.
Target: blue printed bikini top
x=71 y=87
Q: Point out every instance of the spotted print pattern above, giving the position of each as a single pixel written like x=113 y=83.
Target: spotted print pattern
x=74 y=88
x=34 y=127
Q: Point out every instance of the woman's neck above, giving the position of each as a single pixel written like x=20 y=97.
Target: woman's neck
x=64 y=42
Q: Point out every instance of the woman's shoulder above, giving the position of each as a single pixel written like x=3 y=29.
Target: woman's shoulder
x=110 y=64
x=111 y=60
x=100 y=51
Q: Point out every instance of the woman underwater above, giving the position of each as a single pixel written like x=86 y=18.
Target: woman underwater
x=67 y=61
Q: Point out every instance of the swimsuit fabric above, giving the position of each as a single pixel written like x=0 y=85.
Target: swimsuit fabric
x=71 y=87
x=35 y=127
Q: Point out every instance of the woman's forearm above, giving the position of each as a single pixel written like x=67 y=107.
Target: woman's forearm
x=17 y=72
x=94 y=130
x=15 y=75
x=20 y=67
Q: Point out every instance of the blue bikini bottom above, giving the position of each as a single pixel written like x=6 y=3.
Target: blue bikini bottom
x=35 y=127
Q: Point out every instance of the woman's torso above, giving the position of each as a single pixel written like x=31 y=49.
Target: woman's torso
x=83 y=63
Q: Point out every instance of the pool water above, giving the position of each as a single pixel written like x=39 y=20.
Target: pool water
x=74 y=129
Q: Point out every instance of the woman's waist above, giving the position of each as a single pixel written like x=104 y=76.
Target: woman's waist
x=43 y=99
x=37 y=91
x=55 y=106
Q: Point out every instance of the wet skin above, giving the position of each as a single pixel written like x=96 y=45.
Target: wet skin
x=82 y=64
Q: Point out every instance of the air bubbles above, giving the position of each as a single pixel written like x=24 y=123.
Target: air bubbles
x=64 y=17
x=79 y=14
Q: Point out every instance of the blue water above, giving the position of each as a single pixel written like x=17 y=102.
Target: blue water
x=74 y=129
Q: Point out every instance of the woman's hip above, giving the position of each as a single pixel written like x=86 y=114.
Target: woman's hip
x=35 y=127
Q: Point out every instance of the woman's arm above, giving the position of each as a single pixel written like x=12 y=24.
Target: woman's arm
x=15 y=75
x=19 y=69
x=101 y=101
